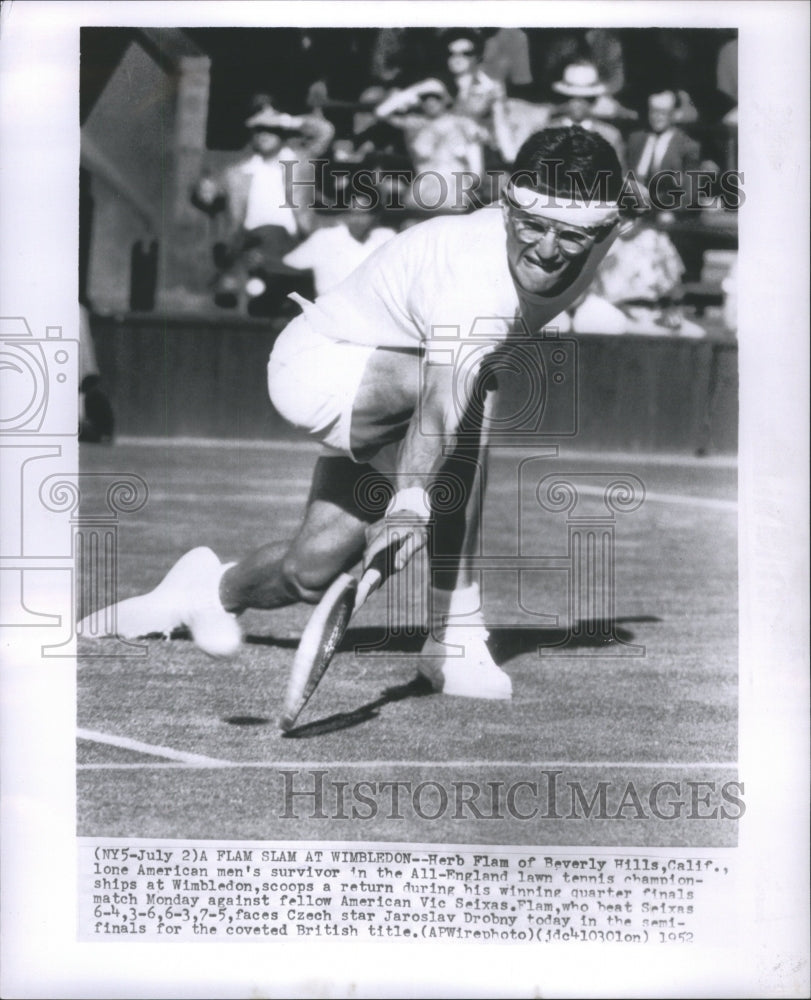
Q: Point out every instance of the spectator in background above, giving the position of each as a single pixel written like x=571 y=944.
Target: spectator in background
x=663 y=147
x=261 y=227
x=474 y=91
x=342 y=242
x=637 y=289
x=443 y=145
x=582 y=87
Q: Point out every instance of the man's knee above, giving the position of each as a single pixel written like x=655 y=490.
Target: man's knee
x=306 y=579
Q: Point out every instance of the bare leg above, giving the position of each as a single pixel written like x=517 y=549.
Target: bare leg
x=455 y=657
x=456 y=534
x=330 y=541
x=456 y=537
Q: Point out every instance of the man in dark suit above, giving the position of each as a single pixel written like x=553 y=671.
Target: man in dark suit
x=661 y=156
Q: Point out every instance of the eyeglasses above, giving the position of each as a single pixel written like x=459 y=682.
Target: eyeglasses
x=572 y=241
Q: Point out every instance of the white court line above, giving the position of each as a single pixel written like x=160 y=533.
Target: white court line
x=683 y=500
x=655 y=458
x=279 y=765
x=231 y=444
x=704 y=503
x=630 y=458
x=125 y=743
x=260 y=498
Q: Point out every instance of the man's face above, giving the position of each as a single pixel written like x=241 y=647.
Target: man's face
x=462 y=57
x=546 y=255
x=580 y=108
x=661 y=109
x=265 y=142
x=360 y=222
x=432 y=106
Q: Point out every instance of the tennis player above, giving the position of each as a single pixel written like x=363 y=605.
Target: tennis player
x=371 y=370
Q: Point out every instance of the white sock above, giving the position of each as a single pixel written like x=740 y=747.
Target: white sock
x=460 y=609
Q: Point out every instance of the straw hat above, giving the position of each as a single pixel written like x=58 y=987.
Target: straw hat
x=269 y=117
x=580 y=80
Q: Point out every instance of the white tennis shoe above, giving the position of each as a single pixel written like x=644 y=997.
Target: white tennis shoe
x=188 y=595
x=471 y=673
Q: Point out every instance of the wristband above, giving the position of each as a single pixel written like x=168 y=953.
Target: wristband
x=413 y=498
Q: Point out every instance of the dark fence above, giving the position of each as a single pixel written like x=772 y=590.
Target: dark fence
x=205 y=377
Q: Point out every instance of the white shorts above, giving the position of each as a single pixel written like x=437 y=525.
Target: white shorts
x=313 y=381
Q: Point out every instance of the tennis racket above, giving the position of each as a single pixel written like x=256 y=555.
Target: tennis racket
x=325 y=630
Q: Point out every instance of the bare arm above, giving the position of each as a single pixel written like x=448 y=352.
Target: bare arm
x=430 y=435
x=403 y=100
x=398 y=102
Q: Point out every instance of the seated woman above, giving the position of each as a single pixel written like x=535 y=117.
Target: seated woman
x=636 y=289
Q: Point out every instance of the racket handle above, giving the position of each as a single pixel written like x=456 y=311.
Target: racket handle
x=378 y=569
x=369 y=582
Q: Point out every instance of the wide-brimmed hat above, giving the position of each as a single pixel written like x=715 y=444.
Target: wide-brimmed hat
x=580 y=80
x=269 y=117
x=372 y=96
x=434 y=88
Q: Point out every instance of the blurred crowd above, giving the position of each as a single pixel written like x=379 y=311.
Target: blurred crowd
x=433 y=125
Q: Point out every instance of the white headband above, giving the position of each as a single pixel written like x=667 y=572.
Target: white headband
x=560 y=208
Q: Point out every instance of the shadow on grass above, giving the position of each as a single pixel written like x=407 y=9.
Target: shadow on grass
x=506 y=641
x=418 y=688
x=271 y=640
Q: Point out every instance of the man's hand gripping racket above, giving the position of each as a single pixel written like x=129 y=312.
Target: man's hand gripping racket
x=392 y=543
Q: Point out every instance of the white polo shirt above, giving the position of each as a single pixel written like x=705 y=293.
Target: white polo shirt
x=444 y=283
x=267 y=196
x=446 y=272
x=450 y=273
